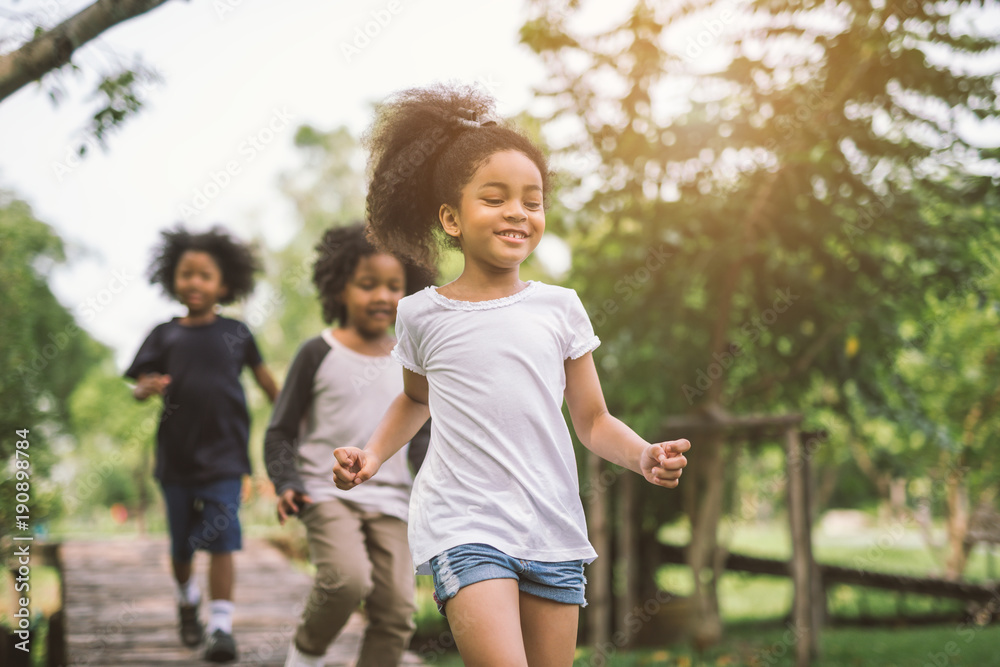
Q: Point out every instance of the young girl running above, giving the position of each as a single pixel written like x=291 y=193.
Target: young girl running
x=495 y=513
x=338 y=387
x=194 y=362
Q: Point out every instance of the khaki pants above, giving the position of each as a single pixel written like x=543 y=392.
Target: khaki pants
x=358 y=556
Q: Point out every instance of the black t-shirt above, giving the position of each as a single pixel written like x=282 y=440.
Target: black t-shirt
x=204 y=426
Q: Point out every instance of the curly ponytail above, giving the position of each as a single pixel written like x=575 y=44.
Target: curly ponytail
x=425 y=145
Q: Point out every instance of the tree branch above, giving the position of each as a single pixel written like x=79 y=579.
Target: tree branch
x=54 y=48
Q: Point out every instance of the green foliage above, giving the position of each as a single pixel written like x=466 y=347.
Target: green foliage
x=752 y=218
x=938 y=421
x=794 y=176
x=42 y=46
x=327 y=190
x=116 y=436
x=43 y=354
x=946 y=380
x=122 y=96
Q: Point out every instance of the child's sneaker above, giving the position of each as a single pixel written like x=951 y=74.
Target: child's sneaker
x=191 y=629
x=297 y=658
x=220 y=647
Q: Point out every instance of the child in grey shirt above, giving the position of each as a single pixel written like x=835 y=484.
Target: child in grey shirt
x=338 y=387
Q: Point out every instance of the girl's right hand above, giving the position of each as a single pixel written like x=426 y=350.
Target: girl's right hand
x=353 y=467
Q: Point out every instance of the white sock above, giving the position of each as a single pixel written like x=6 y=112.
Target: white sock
x=297 y=658
x=188 y=593
x=221 y=616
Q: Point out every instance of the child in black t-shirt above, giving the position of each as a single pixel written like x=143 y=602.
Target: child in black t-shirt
x=194 y=363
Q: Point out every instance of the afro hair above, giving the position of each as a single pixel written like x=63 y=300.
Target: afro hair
x=237 y=261
x=340 y=250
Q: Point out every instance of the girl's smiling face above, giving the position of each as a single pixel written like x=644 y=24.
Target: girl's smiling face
x=372 y=294
x=198 y=282
x=501 y=217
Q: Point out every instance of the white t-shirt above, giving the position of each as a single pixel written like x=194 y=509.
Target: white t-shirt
x=500 y=468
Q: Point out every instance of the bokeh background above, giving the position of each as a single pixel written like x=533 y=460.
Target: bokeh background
x=770 y=209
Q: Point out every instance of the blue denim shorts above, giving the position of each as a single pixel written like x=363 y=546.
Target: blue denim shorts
x=471 y=563
x=203 y=516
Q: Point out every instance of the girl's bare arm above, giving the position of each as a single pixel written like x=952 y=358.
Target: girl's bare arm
x=404 y=418
x=610 y=438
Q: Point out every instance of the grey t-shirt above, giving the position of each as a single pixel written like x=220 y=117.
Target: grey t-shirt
x=335 y=397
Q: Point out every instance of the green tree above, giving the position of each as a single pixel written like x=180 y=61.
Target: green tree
x=756 y=217
x=327 y=190
x=944 y=402
x=43 y=355
x=115 y=440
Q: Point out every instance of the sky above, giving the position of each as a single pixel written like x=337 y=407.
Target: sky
x=238 y=77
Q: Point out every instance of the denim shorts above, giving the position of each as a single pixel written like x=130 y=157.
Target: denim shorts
x=471 y=563
x=203 y=516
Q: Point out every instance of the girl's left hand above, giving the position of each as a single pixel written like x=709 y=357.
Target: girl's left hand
x=662 y=463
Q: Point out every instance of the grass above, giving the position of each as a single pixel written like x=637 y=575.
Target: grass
x=752 y=646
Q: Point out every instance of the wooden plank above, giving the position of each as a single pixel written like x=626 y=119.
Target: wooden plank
x=120 y=608
x=835 y=574
x=777 y=424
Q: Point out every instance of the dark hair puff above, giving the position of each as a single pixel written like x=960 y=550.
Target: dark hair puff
x=237 y=260
x=425 y=145
x=340 y=250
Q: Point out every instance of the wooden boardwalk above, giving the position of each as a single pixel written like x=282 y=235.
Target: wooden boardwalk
x=120 y=607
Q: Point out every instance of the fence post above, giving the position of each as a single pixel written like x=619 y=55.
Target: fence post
x=802 y=565
x=599 y=579
x=628 y=562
